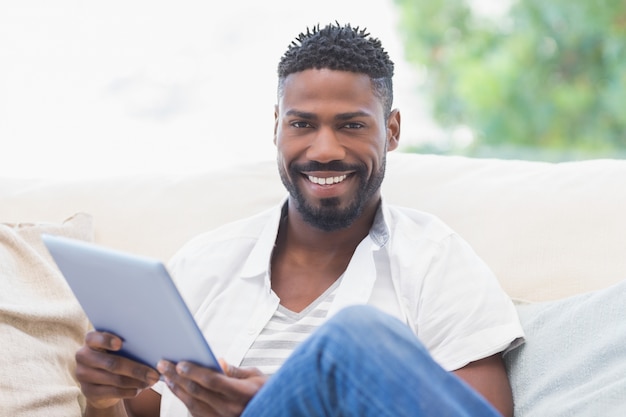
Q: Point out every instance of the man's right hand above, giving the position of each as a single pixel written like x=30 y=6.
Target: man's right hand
x=106 y=378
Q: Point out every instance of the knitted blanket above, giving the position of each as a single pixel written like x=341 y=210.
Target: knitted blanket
x=41 y=323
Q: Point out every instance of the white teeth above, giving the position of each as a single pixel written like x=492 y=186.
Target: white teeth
x=327 y=181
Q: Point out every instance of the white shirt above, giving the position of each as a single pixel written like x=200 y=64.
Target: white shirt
x=411 y=265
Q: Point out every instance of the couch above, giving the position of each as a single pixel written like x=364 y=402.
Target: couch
x=554 y=234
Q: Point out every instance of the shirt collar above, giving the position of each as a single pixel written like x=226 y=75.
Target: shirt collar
x=379 y=232
x=258 y=262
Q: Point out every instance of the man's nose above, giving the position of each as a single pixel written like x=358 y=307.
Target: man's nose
x=326 y=147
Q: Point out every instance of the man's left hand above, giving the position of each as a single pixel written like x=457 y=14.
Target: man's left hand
x=208 y=393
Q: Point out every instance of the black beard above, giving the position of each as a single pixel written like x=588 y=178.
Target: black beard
x=328 y=217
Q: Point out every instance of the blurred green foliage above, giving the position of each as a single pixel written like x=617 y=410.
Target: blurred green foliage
x=546 y=74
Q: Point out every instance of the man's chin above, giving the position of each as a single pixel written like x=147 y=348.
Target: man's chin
x=329 y=218
x=332 y=203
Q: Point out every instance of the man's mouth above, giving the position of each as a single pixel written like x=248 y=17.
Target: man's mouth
x=327 y=180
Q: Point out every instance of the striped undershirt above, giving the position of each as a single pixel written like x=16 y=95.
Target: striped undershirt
x=285 y=330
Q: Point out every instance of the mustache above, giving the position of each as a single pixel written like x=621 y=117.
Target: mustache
x=329 y=166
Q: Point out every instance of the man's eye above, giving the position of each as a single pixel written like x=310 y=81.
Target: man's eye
x=300 y=125
x=354 y=125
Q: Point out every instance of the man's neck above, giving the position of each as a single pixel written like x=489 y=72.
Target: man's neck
x=307 y=260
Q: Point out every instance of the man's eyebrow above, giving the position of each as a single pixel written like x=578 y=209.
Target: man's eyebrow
x=301 y=114
x=341 y=117
x=352 y=115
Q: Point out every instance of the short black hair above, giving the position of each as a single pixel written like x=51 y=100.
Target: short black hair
x=341 y=48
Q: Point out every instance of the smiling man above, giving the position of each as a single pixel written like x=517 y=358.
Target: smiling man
x=334 y=303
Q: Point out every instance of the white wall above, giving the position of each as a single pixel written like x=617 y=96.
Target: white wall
x=121 y=87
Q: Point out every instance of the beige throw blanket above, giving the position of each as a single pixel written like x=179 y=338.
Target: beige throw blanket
x=41 y=323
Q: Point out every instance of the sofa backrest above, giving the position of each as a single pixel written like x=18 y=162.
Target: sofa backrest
x=547 y=230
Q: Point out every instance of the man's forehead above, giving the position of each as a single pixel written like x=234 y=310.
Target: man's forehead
x=327 y=85
x=324 y=74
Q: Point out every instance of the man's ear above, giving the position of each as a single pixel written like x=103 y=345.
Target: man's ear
x=393 y=130
x=275 y=122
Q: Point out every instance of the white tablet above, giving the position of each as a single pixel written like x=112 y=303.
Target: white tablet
x=133 y=297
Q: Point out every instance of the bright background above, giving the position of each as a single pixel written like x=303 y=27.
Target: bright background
x=92 y=89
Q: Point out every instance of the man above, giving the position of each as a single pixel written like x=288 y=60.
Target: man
x=282 y=295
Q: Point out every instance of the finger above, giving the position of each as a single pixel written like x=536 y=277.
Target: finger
x=100 y=368
x=208 y=379
x=108 y=386
x=241 y=373
x=197 y=399
x=103 y=389
x=103 y=341
x=221 y=391
x=224 y=365
x=122 y=371
x=236 y=383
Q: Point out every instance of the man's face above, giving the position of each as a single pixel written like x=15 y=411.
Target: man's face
x=332 y=140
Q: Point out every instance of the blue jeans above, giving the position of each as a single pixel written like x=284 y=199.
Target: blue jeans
x=364 y=363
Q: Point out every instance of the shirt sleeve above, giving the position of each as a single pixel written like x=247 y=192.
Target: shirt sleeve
x=463 y=314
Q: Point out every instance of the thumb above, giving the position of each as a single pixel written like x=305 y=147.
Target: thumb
x=239 y=373
x=224 y=365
